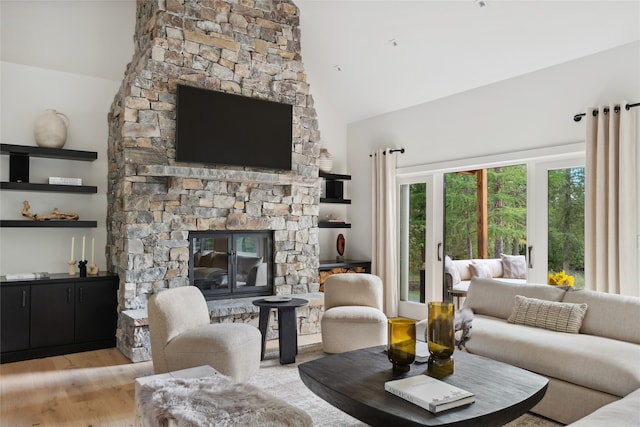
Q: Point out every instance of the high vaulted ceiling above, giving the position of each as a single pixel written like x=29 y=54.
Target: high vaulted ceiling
x=364 y=58
x=395 y=54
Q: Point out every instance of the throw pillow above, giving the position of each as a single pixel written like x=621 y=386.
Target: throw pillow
x=555 y=316
x=514 y=266
x=480 y=270
x=451 y=270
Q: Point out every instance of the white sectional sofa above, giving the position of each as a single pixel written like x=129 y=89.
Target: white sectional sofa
x=458 y=273
x=592 y=370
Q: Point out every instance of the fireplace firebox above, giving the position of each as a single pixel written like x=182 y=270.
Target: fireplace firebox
x=231 y=264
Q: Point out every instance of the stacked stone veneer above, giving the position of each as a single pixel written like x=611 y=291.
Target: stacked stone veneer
x=247 y=47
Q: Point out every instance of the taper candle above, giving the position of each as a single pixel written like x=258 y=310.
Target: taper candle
x=82 y=259
x=93 y=248
x=73 y=240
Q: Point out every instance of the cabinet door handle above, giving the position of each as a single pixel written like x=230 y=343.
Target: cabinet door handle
x=81 y=295
x=24 y=298
x=68 y=295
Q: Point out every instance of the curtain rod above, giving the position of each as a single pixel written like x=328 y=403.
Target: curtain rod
x=401 y=150
x=627 y=107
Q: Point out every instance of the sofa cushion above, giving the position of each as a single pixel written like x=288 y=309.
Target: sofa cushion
x=495 y=297
x=609 y=315
x=514 y=266
x=594 y=362
x=555 y=316
x=621 y=413
x=480 y=269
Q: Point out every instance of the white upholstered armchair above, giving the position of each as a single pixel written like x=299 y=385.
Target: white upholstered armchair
x=353 y=316
x=182 y=336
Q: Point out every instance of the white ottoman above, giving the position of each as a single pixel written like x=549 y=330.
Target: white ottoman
x=203 y=396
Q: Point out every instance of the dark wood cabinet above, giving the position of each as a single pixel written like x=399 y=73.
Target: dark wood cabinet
x=59 y=315
x=51 y=315
x=14 y=318
x=95 y=316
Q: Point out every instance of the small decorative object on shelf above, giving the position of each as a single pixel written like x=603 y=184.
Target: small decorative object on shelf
x=440 y=337
x=82 y=266
x=340 y=245
x=72 y=267
x=325 y=162
x=55 y=214
x=50 y=129
x=92 y=269
x=401 y=344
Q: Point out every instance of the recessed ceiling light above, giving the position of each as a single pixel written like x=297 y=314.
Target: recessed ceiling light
x=393 y=42
x=338 y=67
x=481 y=3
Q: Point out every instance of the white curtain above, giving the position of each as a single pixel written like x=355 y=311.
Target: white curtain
x=611 y=201
x=383 y=233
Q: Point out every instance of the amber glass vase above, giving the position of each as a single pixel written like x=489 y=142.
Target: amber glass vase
x=440 y=338
x=401 y=347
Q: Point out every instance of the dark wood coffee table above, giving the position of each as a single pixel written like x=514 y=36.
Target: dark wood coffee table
x=354 y=383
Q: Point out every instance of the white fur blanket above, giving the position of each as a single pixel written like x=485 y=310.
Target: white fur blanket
x=215 y=401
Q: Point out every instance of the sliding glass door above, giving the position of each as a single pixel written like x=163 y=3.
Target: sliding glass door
x=419 y=211
x=531 y=206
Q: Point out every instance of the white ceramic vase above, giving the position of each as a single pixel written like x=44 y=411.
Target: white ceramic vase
x=50 y=129
x=325 y=162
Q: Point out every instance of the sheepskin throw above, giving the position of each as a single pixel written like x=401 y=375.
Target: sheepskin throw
x=215 y=401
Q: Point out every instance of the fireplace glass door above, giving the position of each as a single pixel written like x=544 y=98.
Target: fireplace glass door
x=225 y=264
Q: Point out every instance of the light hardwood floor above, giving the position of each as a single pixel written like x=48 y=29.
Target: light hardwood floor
x=93 y=388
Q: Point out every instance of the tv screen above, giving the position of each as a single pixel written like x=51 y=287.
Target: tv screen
x=226 y=129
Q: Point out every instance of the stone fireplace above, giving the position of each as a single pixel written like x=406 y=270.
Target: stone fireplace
x=247 y=47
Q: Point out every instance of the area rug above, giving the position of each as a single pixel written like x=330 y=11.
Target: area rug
x=283 y=381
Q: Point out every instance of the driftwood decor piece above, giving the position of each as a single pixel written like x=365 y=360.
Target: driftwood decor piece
x=54 y=215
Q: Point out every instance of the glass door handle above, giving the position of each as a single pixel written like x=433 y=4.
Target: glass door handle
x=439 y=254
x=529 y=259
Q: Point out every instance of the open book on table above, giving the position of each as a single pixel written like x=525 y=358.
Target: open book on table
x=429 y=393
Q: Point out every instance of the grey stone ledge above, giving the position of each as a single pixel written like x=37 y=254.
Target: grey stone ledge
x=228 y=175
x=226 y=307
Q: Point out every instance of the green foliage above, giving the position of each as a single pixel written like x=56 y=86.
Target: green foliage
x=507 y=209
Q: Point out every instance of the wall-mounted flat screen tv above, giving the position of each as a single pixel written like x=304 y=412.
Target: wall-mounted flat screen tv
x=226 y=129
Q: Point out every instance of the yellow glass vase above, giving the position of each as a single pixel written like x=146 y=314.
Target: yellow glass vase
x=401 y=347
x=440 y=338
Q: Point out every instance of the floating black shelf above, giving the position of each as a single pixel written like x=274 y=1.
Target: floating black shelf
x=50 y=223
x=327 y=224
x=28 y=186
x=334 y=176
x=51 y=153
x=334 y=200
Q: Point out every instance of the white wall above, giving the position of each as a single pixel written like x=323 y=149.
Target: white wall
x=70 y=56
x=26 y=92
x=531 y=111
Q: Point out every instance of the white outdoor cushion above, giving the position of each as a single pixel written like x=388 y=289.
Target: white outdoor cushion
x=514 y=266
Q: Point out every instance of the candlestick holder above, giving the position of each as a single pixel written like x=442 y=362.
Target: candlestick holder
x=82 y=265
x=92 y=269
x=72 y=267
